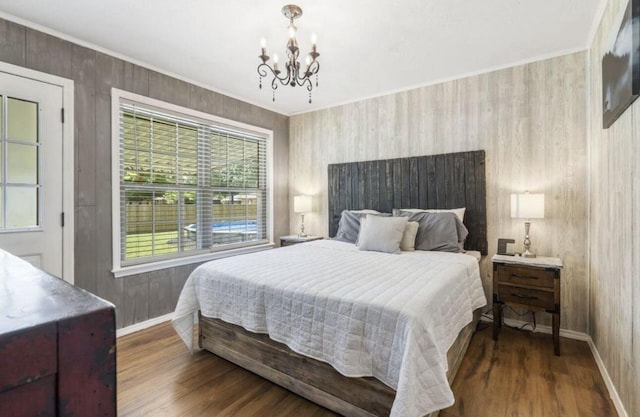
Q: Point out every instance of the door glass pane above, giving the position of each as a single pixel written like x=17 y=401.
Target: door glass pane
x=1 y=208
x=22 y=164
x=22 y=120
x=22 y=207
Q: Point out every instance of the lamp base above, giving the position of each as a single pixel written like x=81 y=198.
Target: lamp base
x=302 y=233
x=527 y=242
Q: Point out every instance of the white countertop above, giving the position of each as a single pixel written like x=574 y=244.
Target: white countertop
x=541 y=261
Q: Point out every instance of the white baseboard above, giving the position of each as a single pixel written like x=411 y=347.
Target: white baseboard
x=143 y=325
x=607 y=380
x=570 y=334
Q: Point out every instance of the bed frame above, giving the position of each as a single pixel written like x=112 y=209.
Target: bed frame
x=312 y=379
x=437 y=181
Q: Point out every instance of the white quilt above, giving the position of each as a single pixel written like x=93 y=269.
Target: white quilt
x=389 y=316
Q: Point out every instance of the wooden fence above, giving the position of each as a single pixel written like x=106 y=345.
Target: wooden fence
x=139 y=216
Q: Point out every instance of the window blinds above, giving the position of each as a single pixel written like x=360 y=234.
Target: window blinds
x=188 y=186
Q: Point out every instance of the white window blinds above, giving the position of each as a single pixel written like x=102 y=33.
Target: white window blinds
x=188 y=186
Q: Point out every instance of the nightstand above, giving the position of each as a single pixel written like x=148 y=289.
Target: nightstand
x=532 y=283
x=295 y=239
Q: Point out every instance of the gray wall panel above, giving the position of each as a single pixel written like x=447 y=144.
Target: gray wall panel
x=47 y=53
x=83 y=69
x=85 y=248
x=136 y=79
x=160 y=292
x=136 y=306
x=12 y=42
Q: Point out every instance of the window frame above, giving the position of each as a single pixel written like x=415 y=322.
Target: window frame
x=119 y=270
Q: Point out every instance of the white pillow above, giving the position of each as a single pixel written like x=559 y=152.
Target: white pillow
x=408 y=242
x=381 y=234
x=458 y=211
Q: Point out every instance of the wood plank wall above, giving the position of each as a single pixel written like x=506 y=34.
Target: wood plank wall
x=532 y=122
x=144 y=296
x=614 y=313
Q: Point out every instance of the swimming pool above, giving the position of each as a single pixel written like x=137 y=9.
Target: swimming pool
x=228 y=231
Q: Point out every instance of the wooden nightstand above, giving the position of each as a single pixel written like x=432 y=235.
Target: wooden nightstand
x=295 y=239
x=532 y=283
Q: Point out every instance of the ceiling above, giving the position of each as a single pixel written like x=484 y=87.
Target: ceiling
x=367 y=47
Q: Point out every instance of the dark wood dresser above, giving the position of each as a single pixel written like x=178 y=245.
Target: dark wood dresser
x=57 y=346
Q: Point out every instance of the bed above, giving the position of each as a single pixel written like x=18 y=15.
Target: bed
x=391 y=353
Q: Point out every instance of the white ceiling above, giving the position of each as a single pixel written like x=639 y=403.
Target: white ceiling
x=368 y=47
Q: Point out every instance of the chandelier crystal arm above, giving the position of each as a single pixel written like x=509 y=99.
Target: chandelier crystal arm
x=293 y=74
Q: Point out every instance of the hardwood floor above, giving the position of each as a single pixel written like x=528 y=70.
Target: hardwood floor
x=517 y=377
x=157 y=377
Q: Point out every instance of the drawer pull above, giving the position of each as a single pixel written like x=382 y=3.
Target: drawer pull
x=523 y=276
x=526 y=297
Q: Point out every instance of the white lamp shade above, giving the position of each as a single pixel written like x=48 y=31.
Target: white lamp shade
x=302 y=204
x=527 y=206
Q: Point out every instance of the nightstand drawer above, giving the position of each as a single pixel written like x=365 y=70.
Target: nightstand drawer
x=536 y=277
x=526 y=296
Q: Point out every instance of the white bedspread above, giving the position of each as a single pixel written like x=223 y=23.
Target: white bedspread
x=392 y=317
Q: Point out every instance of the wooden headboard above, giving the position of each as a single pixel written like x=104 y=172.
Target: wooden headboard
x=435 y=181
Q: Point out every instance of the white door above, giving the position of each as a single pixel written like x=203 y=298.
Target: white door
x=31 y=171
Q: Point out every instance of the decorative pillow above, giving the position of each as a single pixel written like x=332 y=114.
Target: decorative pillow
x=381 y=234
x=458 y=211
x=437 y=231
x=408 y=242
x=349 y=225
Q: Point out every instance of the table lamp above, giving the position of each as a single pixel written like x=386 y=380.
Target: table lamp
x=302 y=205
x=527 y=206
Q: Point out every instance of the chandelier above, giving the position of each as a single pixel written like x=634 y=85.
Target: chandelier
x=293 y=74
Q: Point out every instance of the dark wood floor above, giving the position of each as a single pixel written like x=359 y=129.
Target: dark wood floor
x=517 y=377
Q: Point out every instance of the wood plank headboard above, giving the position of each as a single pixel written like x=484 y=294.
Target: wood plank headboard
x=435 y=181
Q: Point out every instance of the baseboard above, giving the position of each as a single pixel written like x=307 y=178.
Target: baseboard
x=143 y=325
x=617 y=402
x=570 y=334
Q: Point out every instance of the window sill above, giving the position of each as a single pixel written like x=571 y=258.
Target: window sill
x=156 y=266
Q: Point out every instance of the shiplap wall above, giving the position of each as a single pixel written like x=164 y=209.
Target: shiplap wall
x=530 y=119
x=615 y=229
x=144 y=296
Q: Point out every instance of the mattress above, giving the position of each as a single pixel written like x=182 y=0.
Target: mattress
x=389 y=316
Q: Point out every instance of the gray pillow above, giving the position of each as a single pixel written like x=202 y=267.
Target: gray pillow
x=437 y=231
x=349 y=225
x=381 y=234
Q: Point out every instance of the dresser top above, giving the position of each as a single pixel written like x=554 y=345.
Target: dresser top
x=541 y=261
x=30 y=297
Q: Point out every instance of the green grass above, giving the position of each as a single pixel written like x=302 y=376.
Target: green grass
x=140 y=244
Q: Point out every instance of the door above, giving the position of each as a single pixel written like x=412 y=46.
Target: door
x=31 y=171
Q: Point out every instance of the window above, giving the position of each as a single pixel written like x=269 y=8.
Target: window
x=20 y=180
x=186 y=185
